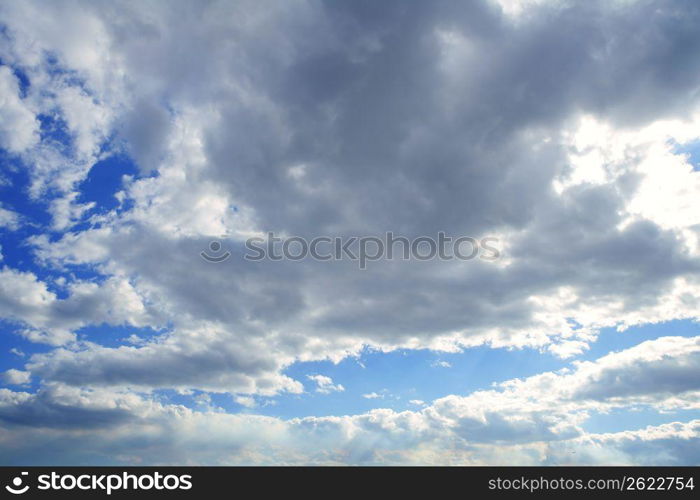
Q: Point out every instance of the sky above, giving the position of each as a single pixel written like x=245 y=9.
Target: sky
x=134 y=134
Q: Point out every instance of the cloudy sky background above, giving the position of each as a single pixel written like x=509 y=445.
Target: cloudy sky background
x=132 y=134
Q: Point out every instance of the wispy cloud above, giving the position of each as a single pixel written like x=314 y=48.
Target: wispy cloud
x=325 y=385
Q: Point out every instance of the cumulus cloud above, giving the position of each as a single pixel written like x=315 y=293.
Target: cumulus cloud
x=206 y=357
x=246 y=401
x=531 y=421
x=672 y=444
x=16 y=377
x=49 y=319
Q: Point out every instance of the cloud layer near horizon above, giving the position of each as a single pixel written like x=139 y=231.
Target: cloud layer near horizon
x=536 y=420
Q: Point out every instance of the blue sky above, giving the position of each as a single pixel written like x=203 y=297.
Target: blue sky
x=127 y=148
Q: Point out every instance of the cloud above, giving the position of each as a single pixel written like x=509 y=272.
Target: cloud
x=656 y=372
x=200 y=149
x=16 y=377
x=583 y=252
x=205 y=357
x=672 y=443
x=19 y=129
x=246 y=401
x=52 y=320
x=552 y=126
x=530 y=421
x=325 y=385
x=9 y=219
x=441 y=364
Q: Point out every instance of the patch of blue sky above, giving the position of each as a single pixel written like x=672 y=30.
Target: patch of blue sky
x=172 y=397
x=635 y=418
x=34 y=216
x=610 y=339
x=397 y=378
x=116 y=335
x=105 y=180
x=102 y=183
x=14 y=191
x=35 y=219
x=15 y=350
x=54 y=130
x=203 y=400
x=692 y=149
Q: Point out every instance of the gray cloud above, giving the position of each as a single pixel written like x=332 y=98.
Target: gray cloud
x=344 y=118
x=441 y=116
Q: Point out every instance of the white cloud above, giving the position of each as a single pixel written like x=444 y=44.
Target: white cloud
x=204 y=356
x=16 y=377
x=373 y=395
x=325 y=385
x=86 y=119
x=49 y=319
x=9 y=219
x=66 y=211
x=246 y=401
x=441 y=364
x=19 y=128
